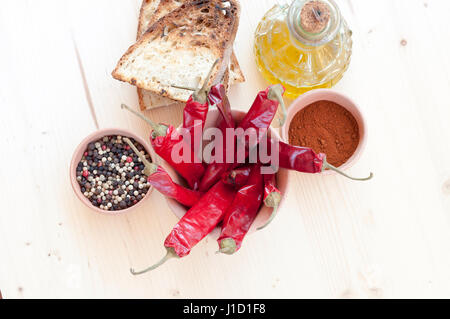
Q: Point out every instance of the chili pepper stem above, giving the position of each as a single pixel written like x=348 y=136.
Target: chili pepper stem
x=272 y=217
x=273 y=201
x=201 y=94
x=158 y=129
x=276 y=93
x=170 y=254
x=227 y=246
x=183 y=88
x=232 y=177
x=186 y=87
x=150 y=168
x=327 y=165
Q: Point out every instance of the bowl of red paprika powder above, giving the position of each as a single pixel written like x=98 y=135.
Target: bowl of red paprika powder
x=282 y=178
x=329 y=122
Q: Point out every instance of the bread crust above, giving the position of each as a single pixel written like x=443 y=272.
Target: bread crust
x=153 y=10
x=148 y=9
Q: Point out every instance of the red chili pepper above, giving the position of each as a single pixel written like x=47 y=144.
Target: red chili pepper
x=218 y=97
x=197 y=223
x=196 y=110
x=264 y=109
x=162 y=182
x=215 y=170
x=164 y=138
x=305 y=160
x=301 y=159
x=195 y=114
x=259 y=118
x=237 y=177
x=272 y=197
x=242 y=213
x=192 y=171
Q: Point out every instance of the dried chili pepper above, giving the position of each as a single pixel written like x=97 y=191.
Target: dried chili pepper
x=164 y=138
x=215 y=169
x=242 y=213
x=218 y=96
x=272 y=197
x=262 y=113
x=237 y=177
x=264 y=109
x=161 y=181
x=197 y=223
x=196 y=110
x=259 y=118
x=305 y=160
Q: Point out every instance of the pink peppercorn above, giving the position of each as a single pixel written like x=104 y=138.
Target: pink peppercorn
x=104 y=147
x=129 y=159
x=85 y=173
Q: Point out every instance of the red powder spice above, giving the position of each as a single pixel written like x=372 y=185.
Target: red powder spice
x=328 y=128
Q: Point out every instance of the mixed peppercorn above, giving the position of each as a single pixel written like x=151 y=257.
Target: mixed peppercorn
x=111 y=175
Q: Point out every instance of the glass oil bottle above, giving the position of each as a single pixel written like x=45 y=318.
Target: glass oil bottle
x=304 y=46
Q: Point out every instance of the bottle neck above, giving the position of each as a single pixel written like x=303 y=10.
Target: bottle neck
x=314 y=22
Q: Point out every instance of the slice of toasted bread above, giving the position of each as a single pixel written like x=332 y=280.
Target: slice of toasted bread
x=148 y=9
x=181 y=47
x=153 y=10
x=147 y=99
x=147 y=17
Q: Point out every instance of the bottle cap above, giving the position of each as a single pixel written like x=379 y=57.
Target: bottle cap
x=314 y=16
x=313 y=22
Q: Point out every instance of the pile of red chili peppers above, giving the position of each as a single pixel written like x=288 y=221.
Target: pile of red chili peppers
x=225 y=194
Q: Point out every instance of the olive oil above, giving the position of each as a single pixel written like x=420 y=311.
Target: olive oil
x=286 y=53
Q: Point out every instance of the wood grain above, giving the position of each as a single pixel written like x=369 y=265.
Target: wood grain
x=334 y=238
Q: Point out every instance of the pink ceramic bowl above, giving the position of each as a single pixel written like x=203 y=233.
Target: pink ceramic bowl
x=79 y=154
x=264 y=214
x=336 y=97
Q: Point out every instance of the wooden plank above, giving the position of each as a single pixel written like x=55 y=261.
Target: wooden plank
x=45 y=115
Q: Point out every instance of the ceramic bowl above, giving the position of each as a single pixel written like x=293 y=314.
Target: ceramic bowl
x=264 y=214
x=338 y=98
x=78 y=154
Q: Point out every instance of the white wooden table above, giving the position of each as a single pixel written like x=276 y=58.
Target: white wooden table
x=334 y=238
